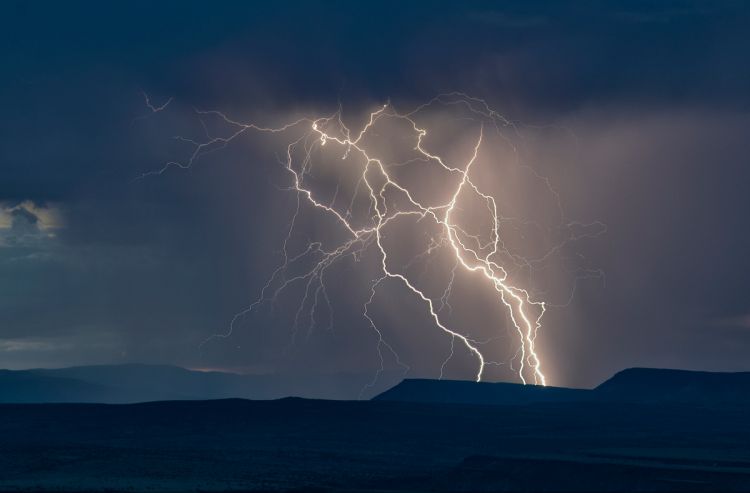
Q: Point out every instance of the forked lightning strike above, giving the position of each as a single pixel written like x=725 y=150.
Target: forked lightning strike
x=374 y=180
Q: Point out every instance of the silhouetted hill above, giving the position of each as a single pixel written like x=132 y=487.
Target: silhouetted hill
x=140 y=383
x=465 y=392
x=636 y=385
x=660 y=385
x=632 y=433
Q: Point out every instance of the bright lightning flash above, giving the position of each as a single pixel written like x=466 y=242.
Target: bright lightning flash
x=479 y=255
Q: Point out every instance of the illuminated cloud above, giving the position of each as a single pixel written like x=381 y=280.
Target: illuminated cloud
x=28 y=223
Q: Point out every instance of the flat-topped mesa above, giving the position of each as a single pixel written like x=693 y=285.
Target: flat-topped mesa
x=466 y=392
x=634 y=385
x=652 y=384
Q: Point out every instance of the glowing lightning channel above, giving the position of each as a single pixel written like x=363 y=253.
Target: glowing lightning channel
x=493 y=272
x=467 y=250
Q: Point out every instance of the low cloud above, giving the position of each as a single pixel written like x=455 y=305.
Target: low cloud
x=28 y=224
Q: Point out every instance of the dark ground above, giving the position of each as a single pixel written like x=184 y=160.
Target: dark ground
x=295 y=444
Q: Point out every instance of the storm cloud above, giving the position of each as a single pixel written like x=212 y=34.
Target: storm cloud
x=638 y=113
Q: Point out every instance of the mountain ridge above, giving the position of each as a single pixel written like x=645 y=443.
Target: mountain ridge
x=136 y=382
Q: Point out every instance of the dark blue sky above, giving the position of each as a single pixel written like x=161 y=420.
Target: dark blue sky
x=97 y=268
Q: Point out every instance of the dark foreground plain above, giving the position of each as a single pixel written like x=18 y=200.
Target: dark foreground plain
x=312 y=445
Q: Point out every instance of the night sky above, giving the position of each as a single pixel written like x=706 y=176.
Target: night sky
x=639 y=112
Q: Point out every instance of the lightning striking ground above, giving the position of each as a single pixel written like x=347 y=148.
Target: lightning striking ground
x=480 y=255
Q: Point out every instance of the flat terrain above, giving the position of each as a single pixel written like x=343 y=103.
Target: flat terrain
x=296 y=444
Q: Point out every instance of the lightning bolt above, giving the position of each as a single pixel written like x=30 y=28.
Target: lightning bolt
x=478 y=255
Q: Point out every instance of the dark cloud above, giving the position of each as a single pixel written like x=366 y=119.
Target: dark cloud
x=653 y=98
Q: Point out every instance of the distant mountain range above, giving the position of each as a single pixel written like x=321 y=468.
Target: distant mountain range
x=117 y=384
x=141 y=383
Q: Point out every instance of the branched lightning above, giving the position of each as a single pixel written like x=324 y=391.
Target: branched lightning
x=477 y=255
